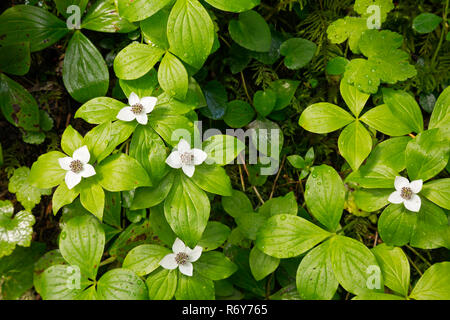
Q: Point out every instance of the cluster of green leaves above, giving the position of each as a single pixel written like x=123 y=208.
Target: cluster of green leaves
x=385 y=62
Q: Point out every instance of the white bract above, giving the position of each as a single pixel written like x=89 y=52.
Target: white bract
x=182 y=258
x=186 y=158
x=137 y=109
x=406 y=193
x=77 y=167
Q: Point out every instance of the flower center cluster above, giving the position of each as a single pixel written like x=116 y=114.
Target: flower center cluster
x=187 y=158
x=76 y=166
x=181 y=258
x=137 y=108
x=406 y=193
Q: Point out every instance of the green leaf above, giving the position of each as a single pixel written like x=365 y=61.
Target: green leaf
x=355 y=144
x=251 y=31
x=434 y=283
x=120 y=172
x=377 y=296
x=355 y=99
x=17 y=270
x=15 y=230
x=264 y=102
x=394 y=267
x=336 y=66
x=426 y=155
x=97 y=140
x=374 y=177
x=298 y=52
x=262 y=264
x=50 y=258
x=371 y=200
x=154 y=28
x=287 y=236
x=162 y=284
x=324 y=117
x=61 y=282
x=71 y=140
x=15 y=58
x=145 y=258
x=296 y=161
x=143 y=86
x=63 y=196
x=136 y=60
x=173 y=77
x=438 y=191
x=280 y=205
x=222 y=149
x=385 y=6
x=148 y=148
x=62 y=5
x=22 y=23
x=214 y=236
x=234 y=5
x=426 y=22
x=166 y=124
x=187 y=210
x=432 y=229
x=405 y=108
x=315 y=278
x=140 y=9
x=214 y=265
x=121 y=284
x=285 y=91
x=349 y=28
x=237 y=204
x=103 y=17
x=396 y=225
x=325 y=196
x=99 y=110
x=356 y=73
x=386 y=63
x=26 y=194
x=148 y=197
x=194 y=288
x=190 y=32
x=213 y=179
x=81 y=242
x=85 y=73
x=389 y=153
x=440 y=118
x=92 y=197
x=250 y=223
x=352 y=262
x=381 y=119
x=18 y=105
x=120 y=131
x=216 y=99
x=134 y=235
x=46 y=171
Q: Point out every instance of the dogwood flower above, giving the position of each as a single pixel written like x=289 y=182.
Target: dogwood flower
x=137 y=109
x=186 y=158
x=182 y=258
x=406 y=193
x=77 y=167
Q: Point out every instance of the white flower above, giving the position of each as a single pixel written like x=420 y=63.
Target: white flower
x=77 y=167
x=406 y=193
x=137 y=109
x=182 y=257
x=186 y=158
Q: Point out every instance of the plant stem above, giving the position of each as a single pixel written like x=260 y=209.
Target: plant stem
x=441 y=40
x=108 y=261
x=419 y=255
x=347 y=226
